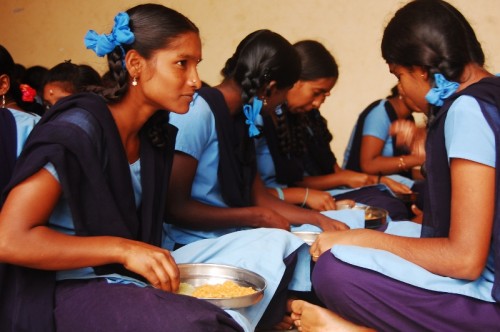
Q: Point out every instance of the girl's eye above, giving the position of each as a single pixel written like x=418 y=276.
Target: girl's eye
x=182 y=63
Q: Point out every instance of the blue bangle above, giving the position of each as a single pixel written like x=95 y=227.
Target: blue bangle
x=281 y=195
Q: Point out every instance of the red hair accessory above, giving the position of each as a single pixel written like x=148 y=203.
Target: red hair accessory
x=28 y=92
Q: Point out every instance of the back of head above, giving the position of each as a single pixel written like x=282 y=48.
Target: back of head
x=434 y=35
x=154 y=27
x=72 y=77
x=34 y=77
x=8 y=67
x=261 y=57
x=316 y=61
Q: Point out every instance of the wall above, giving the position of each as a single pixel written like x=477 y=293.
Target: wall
x=50 y=31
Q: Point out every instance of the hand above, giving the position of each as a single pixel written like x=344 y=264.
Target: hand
x=395 y=186
x=324 y=242
x=329 y=224
x=320 y=200
x=404 y=130
x=153 y=263
x=419 y=214
x=265 y=217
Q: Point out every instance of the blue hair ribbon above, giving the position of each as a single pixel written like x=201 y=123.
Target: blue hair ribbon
x=103 y=44
x=251 y=113
x=442 y=90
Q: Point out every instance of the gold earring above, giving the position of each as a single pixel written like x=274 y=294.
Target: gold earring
x=3 y=101
x=134 y=81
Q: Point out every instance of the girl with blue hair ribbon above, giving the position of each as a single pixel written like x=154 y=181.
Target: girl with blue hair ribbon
x=81 y=221
x=442 y=275
x=215 y=190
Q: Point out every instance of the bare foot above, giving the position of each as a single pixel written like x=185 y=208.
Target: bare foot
x=312 y=318
x=287 y=321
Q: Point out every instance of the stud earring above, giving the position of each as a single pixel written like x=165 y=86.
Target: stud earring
x=3 y=101
x=134 y=81
x=265 y=102
x=51 y=92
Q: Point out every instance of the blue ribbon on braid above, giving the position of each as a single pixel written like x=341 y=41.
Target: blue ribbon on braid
x=103 y=44
x=251 y=112
x=442 y=90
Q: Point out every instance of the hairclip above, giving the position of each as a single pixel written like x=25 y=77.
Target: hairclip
x=442 y=89
x=103 y=44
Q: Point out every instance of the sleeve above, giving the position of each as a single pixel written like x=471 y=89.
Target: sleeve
x=196 y=127
x=377 y=123
x=24 y=124
x=467 y=133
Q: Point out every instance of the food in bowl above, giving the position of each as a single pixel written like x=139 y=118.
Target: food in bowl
x=227 y=289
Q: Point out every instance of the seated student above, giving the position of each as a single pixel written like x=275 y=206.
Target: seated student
x=15 y=122
x=294 y=155
x=67 y=78
x=214 y=165
x=214 y=187
x=89 y=189
x=372 y=148
x=443 y=275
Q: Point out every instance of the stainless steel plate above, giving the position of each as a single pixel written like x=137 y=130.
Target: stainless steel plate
x=307 y=237
x=202 y=274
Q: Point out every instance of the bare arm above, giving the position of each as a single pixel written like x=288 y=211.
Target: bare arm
x=372 y=161
x=23 y=220
x=296 y=215
x=464 y=252
x=352 y=179
x=304 y=196
x=190 y=213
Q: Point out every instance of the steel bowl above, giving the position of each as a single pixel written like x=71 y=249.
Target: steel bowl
x=307 y=237
x=375 y=217
x=198 y=274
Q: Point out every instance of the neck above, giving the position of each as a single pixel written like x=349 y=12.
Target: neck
x=472 y=73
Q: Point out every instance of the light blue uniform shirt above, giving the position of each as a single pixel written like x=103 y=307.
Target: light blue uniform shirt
x=197 y=137
x=467 y=136
x=376 y=124
x=24 y=125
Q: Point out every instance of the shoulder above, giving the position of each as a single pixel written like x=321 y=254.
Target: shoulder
x=199 y=113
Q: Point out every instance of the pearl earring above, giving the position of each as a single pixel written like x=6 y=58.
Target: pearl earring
x=134 y=81
x=3 y=101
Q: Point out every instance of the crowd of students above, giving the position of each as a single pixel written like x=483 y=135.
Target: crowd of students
x=108 y=182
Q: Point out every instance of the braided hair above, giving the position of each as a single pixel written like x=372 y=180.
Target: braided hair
x=154 y=27
x=261 y=57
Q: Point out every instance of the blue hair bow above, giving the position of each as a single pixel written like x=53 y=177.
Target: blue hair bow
x=251 y=112
x=442 y=90
x=103 y=44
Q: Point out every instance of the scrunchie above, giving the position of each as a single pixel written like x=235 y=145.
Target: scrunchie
x=103 y=44
x=442 y=90
x=251 y=112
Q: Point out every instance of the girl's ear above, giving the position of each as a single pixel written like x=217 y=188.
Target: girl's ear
x=4 y=84
x=134 y=62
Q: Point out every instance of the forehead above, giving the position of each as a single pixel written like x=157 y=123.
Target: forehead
x=185 y=45
x=324 y=84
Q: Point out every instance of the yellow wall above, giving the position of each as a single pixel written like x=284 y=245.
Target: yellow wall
x=46 y=32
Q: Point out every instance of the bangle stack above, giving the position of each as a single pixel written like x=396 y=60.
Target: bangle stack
x=305 y=197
